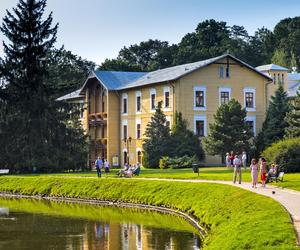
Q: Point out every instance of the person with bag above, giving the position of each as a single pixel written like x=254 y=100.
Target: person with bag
x=237 y=169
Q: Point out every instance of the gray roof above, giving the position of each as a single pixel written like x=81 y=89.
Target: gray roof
x=294 y=84
x=73 y=95
x=117 y=80
x=268 y=67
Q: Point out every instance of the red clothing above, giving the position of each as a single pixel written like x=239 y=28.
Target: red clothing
x=263 y=176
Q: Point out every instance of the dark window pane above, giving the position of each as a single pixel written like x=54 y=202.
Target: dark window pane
x=167 y=99
x=249 y=99
x=125 y=131
x=224 y=97
x=138 y=131
x=153 y=101
x=200 y=128
x=199 y=98
x=124 y=105
x=250 y=125
x=138 y=103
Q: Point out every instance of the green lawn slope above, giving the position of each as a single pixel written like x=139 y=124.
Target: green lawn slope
x=237 y=219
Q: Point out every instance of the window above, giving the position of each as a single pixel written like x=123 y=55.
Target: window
x=124 y=103
x=249 y=99
x=152 y=99
x=199 y=98
x=124 y=129
x=138 y=129
x=274 y=78
x=125 y=157
x=200 y=126
x=221 y=71
x=124 y=132
x=167 y=97
x=282 y=79
x=251 y=122
x=279 y=81
x=139 y=156
x=138 y=96
x=224 y=95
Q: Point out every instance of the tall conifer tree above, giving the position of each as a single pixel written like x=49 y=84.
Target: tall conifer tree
x=36 y=128
x=293 y=118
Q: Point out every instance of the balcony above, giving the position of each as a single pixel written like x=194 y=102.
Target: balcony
x=98 y=119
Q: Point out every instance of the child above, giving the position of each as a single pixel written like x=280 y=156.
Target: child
x=227 y=159
x=254 y=172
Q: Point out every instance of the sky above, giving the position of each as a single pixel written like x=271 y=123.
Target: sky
x=98 y=29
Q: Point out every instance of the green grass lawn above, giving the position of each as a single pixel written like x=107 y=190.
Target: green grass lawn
x=291 y=181
x=236 y=218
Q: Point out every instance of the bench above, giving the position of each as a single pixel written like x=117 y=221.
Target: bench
x=277 y=178
x=4 y=171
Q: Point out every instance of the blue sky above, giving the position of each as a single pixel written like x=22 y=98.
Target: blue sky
x=98 y=29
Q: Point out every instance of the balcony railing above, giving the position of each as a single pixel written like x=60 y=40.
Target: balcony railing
x=98 y=119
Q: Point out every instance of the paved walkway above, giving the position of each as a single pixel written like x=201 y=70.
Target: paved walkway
x=290 y=199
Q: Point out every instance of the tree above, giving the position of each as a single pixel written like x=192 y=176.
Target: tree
x=183 y=141
x=36 y=131
x=275 y=123
x=293 y=118
x=157 y=139
x=229 y=130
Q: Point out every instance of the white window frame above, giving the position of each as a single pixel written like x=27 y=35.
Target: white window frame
x=124 y=123
x=167 y=89
x=200 y=88
x=251 y=90
x=138 y=121
x=125 y=97
x=152 y=91
x=252 y=119
x=224 y=89
x=138 y=94
x=200 y=118
x=168 y=119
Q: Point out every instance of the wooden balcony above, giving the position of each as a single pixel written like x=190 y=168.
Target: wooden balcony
x=98 y=119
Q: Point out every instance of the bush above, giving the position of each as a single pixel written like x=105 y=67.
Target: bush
x=285 y=153
x=177 y=162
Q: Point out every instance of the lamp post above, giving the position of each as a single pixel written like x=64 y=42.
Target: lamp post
x=127 y=142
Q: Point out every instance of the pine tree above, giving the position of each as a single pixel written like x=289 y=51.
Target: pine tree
x=229 y=130
x=293 y=118
x=184 y=141
x=275 y=123
x=34 y=127
x=157 y=139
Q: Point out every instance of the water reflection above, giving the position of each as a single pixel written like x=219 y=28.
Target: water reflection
x=59 y=231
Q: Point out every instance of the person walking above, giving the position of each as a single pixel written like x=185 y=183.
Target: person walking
x=254 y=172
x=237 y=169
x=263 y=171
x=227 y=160
x=98 y=164
x=244 y=159
x=231 y=157
x=106 y=166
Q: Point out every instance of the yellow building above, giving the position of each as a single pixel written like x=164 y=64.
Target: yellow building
x=119 y=105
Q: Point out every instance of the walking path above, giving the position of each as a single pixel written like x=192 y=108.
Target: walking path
x=290 y=199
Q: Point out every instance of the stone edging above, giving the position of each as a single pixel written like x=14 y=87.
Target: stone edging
x=193 y=221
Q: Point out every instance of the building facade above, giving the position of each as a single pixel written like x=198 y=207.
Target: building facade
x=119 y=105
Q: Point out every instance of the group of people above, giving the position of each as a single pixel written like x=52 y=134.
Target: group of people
x=101 y=163
x=238 y=161
x=130 y=170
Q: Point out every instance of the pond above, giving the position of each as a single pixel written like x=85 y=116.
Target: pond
x=43 y=224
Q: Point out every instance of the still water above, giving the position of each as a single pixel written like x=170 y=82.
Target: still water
x=42 y=224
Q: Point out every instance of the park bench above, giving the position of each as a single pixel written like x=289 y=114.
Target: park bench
x=277 y=178
x=4 y=171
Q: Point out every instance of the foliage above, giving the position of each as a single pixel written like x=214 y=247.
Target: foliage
x=229 y=130
x=177 y=162
x=157 y=137
x=36 y=132
x=222 y=208
x=293 y=118
x=184 y=142
x=275 y=123
x=285 y=153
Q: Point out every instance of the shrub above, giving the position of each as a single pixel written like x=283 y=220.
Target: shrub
x=177 y=162
x=285 y=153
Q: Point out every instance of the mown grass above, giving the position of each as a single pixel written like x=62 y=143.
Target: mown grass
x=291 y=181
x=237 y=219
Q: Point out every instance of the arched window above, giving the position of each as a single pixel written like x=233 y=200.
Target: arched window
x=139 y=156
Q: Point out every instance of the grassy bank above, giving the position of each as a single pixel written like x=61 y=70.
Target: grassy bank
x=237 y=219
x=291 y=180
